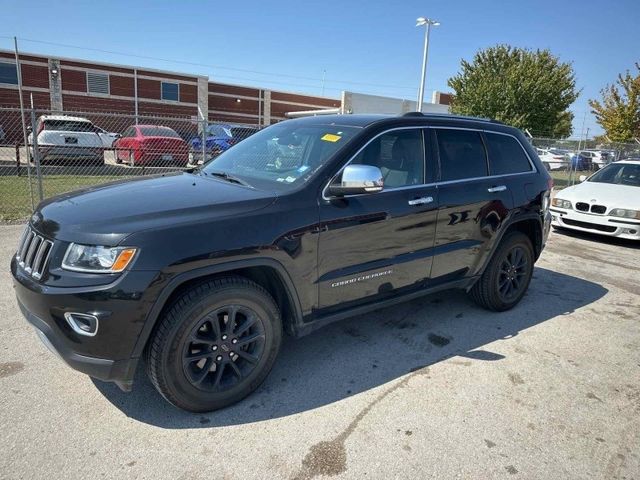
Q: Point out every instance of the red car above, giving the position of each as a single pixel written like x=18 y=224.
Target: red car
x=151 y=144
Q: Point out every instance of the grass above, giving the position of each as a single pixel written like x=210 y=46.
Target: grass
x=15 y=200
x=562 y=179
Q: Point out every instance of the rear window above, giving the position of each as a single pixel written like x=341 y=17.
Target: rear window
x=506 y=155
x=69 y=126
x=462 y=154
x=240 y=133
x=158 y=132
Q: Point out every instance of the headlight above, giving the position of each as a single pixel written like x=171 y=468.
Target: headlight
x=96 y=259
x=623 y=213
x=559 y=202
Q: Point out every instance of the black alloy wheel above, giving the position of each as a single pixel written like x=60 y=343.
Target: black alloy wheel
x=223 y=348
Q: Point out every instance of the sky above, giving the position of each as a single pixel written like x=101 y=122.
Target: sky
x=368 y=46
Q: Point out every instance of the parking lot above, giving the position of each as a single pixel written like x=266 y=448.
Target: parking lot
x=435 y=388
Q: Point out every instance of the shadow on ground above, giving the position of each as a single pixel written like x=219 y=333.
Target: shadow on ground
x=601 y=239
x=364 y=352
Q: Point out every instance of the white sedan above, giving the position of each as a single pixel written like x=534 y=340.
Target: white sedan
x=553 y=159
x=607 y=203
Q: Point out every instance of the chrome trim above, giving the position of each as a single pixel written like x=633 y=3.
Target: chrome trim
x=499 y=188
x=446 y=182
x=68 y=316
x=33 y=253
x=420 y=201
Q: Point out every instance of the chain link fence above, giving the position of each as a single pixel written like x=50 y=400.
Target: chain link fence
x=67 y=151
x=567 y=160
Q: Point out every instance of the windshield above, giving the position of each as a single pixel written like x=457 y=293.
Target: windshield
x=282 y=156
x=619 y=174
x=218 y=131
x=158 y=132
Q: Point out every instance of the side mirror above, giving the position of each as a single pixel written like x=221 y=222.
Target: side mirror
x=582 y=178
x=358 y=179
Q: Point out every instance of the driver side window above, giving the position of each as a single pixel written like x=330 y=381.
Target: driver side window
x=399 y=155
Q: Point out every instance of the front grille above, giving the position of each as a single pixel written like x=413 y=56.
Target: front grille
x=583 y=207
x=590 y=226
x=33 y=253
x=600 y=209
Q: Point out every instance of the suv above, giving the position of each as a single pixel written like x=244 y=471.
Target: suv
x=62 y=138
x=304 y=223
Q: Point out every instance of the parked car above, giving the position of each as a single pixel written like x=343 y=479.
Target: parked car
x=107 y=138
x=201 y=271
x=151 y=144
x=581 y=162
x=607 y=203
x=553 y=159
x=598 y=158
x=65 y=139
x=219 y=138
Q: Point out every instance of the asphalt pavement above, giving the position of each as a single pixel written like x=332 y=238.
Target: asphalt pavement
x=434 y=388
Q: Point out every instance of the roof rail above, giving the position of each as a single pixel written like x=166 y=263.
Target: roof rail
x=450 y=115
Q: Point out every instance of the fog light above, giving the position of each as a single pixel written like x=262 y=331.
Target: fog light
x=82 y=323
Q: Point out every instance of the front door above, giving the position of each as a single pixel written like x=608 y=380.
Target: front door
x=374 y=244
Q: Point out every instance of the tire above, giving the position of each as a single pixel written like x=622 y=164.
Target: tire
x=492 y=290
x=188 y=361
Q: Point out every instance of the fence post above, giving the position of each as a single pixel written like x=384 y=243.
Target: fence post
x=18 y=159
x=24 y=122
x=36 y=151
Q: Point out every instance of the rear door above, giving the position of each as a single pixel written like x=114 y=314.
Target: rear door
x=473 y=204
x=376 y=244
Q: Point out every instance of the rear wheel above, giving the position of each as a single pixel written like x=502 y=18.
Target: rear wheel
x=215 y=344
x=507 y=277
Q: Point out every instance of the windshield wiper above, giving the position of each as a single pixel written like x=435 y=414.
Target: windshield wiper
x=229 y=178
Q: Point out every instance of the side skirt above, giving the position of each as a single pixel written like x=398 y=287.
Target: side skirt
x=307 y=328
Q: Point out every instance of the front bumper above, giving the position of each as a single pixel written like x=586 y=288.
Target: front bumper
x=122 y=306
x=600 y=224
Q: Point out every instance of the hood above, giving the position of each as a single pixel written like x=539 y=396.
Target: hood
x=106 y=214
x=608 y=194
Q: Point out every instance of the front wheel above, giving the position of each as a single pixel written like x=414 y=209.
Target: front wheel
x=507 y=277
x=215 y=344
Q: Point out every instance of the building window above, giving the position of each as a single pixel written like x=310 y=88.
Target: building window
x=8 y=73
x=170 y=91
x=98 y=83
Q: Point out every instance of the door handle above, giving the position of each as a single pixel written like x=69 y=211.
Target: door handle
x=420 y=201
x=499 y=188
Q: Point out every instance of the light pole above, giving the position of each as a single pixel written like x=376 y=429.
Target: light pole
x=428 y=22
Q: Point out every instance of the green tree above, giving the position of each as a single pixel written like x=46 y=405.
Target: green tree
x=619 y=112
x=520 y=87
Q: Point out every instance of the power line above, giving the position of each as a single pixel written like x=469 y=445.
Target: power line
x=219 y=67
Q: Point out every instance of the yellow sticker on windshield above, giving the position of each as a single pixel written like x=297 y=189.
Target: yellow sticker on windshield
x=330 y=137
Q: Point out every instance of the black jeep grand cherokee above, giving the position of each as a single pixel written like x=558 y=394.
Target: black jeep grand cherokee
x=306 y=222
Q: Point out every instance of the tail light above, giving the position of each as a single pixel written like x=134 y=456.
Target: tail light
x=40 y=127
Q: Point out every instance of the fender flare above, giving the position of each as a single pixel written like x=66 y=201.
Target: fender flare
x=512 y=221
x=153 y=314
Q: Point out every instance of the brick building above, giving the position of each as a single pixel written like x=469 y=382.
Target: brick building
x=64 y=84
